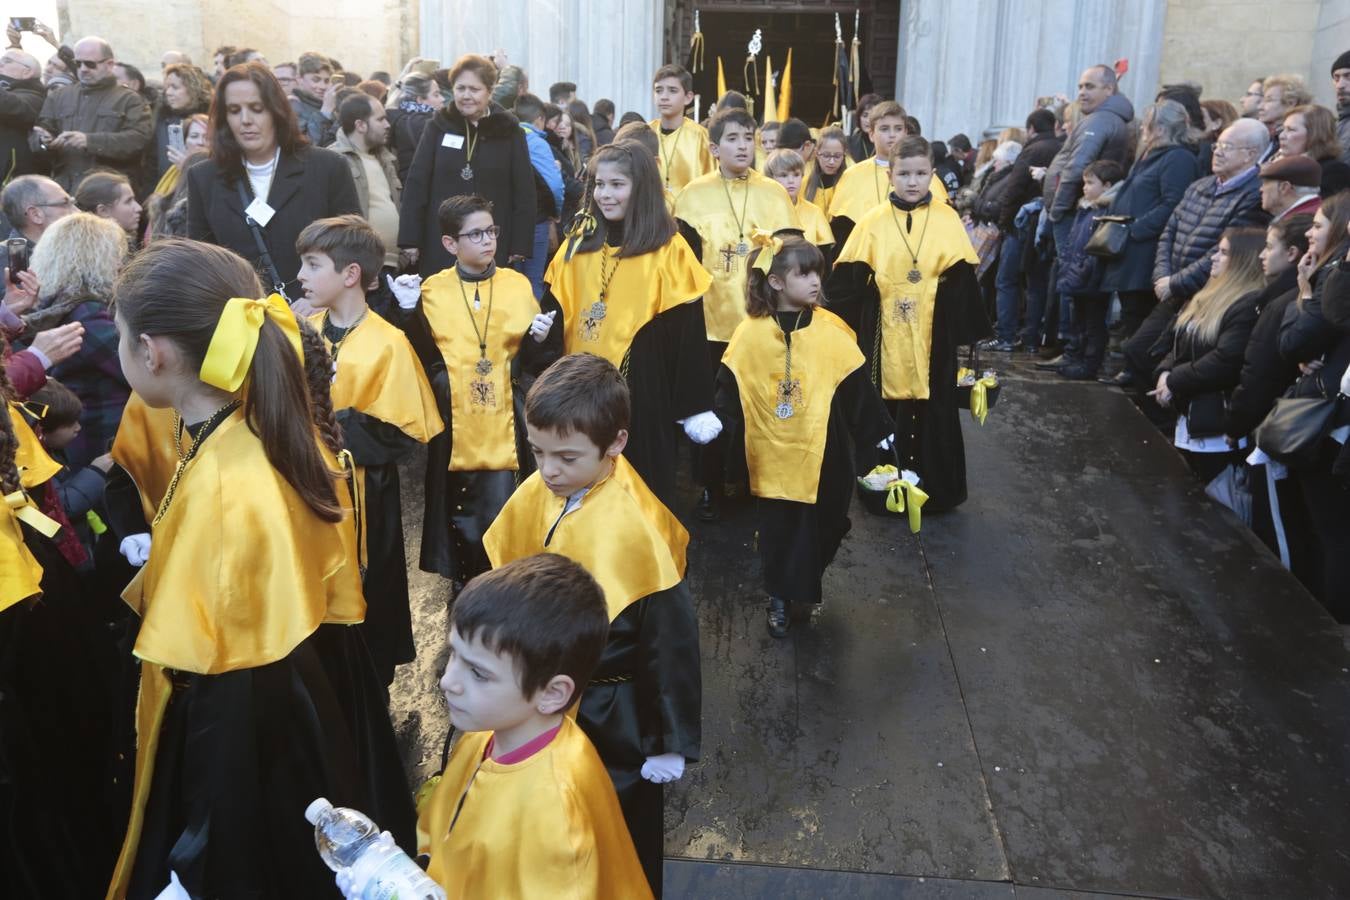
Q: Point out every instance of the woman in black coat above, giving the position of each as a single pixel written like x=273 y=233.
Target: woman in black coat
x=259 y=161
x=1163 y=171
x=186 y=93
x=472 y=147
x=419 y=99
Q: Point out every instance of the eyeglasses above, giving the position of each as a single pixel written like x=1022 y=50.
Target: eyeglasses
x=1226 y=147
x=65 y=201
x=831 y=157
x=90 y=63
x=480 y=235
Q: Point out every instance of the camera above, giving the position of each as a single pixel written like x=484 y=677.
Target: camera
x=24 y=23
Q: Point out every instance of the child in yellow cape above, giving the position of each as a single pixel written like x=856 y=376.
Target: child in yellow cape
x=905 y=281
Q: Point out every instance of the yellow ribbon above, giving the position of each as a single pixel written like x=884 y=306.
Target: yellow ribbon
x=26 y=511
x=34 y=410
x=768 y=245
x=696 y=53
x=896 y=496
x=235 y=340
x=979 y=392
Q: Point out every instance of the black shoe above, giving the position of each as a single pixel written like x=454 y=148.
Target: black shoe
x=1051 y=350
x=707 y=510
x=778 y=618
x=1121 y=379
x=997 y=346
x=1077 y=372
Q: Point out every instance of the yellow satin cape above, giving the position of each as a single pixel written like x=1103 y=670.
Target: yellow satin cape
x=906 y=312
x=35 y=465
x=378 y=374
x=863 y=186
x=144 y=448
x=20 y=572
x=482 y=411
x=683 y=154
x=815 y=224
x=548 y=826
x=703 y=205
x=622 y=534
x=240 y=572
x=784 y=455
x=641 y=288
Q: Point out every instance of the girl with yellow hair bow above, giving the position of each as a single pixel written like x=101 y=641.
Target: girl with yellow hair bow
x=250 y=688
x=795 y=393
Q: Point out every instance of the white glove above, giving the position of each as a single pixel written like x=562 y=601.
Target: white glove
x=407 y=289
x=663 y=769
x=136 y=549
x=886 y=443
x=1345 y=382
x=173 y=890
x=542 y=325
x=702 y=428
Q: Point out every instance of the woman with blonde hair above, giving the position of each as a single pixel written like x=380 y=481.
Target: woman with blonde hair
x=1209 y=340
x=76 y=262
x=1311 y=131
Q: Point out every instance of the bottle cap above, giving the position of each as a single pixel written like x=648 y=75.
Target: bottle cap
x=316 y=809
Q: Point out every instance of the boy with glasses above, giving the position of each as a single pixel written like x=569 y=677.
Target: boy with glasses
x=97 y=124
x=480 y=334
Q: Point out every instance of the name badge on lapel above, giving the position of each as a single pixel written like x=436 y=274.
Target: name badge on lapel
x=260 y=212
x=453 y=141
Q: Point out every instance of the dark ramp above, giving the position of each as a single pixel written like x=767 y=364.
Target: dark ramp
x=1125 y=692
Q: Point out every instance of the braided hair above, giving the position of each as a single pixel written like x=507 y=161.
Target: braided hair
x=319 y=378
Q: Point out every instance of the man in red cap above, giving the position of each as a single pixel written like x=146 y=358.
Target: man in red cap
x=1290 y=186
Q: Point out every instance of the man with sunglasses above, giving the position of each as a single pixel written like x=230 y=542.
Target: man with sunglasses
x=95 y=124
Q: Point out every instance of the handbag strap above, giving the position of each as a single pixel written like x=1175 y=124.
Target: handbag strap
x=264 y=256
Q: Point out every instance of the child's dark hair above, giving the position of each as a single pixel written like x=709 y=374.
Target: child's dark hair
x=580 y=393
x=732 y=100
x=648 y=225
x=1107 y=171
x=455 y=210
x=639 y=133
x=910 y=147
x=680 y=73
x=346 y=240
x=9 y=441
x=1293 y=232
x=726 y=117
x=528 y=108
x=63 y=408
x=793 y=135
x=769 y=128
x=178 y=289
x=544 y=611
x=797 y=255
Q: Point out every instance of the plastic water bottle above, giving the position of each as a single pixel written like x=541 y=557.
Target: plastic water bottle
x=379 y=870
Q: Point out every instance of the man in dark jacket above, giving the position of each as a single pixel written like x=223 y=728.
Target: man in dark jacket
x=21 y=97
x=1021 y=188
x=1230 y=197
x=1340 y=80
x=1102 y=133
x=96 y=124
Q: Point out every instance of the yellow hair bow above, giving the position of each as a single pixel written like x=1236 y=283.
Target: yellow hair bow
x=236 y=339
x=26 y=511
x=769 y=247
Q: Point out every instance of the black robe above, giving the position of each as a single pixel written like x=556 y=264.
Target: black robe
x=64 y=745
x=669 y=378
x=927 y=432
x=461 y=505
x=645 y=699
x=798 y=540
x=236 y=769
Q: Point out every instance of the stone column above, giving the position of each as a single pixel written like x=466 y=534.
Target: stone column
x=609 y=48
x=979 y=65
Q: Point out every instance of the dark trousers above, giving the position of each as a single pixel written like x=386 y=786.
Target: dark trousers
x=1326 y=497
x=1088 y=335
x=1134 y=309
x=1141 y=354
